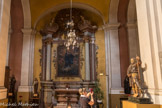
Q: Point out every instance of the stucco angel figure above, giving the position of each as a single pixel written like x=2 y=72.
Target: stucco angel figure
x=134 y=74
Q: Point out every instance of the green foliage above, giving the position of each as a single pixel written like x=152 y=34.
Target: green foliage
x=97 y=90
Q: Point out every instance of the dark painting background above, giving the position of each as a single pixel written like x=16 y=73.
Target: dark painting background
x=68 y=61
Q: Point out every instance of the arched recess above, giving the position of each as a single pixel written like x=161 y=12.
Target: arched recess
x=132 y=30
x=113 y=76
x=67 y=5
x=29 y=32
x=28 y=49
x=123 y=38
x=122 y=15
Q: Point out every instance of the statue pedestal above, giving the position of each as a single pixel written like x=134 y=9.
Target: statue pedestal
x=128 y=104
x=139 y=100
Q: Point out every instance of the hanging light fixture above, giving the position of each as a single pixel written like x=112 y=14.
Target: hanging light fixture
x=71 y=38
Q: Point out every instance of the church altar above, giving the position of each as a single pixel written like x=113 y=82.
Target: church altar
x=59 y=63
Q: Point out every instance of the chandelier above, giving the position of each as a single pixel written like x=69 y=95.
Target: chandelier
x=71 y=38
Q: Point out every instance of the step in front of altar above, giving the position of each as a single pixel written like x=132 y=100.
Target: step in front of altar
x=63 y=105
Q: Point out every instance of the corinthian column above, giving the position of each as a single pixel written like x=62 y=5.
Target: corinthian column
x=48 y=58
x=87 y=62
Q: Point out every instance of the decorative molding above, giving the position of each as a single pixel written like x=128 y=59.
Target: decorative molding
x=27 y=32
x=25 y=89
x=117 y=91
x=155 y=91
x=110 y=26
x=55 y=58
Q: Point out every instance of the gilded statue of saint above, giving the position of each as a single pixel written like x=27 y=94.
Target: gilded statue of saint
x=134 y=75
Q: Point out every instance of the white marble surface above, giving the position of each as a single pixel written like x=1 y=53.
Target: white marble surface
x=149 y=44
x=4 y=29
x=87 y=62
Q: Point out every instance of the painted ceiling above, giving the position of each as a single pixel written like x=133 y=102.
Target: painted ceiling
x=38 y=7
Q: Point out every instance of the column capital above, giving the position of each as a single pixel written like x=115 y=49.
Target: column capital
x=48 y=38
x=28 y=31
x=92 y=40
x=86 y=39
x=88 y=33
x=111 y=26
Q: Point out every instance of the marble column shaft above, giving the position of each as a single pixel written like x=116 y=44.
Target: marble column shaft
x=43 y=62
x=48 y=62
x=46 y=57
x=92 y=58
x=87 y=61
x=25 y=70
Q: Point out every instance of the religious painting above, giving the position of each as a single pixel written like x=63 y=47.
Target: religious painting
x=67 y=61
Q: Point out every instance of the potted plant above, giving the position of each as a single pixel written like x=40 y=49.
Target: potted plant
x=98 y=92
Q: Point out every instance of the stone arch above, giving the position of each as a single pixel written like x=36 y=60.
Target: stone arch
x=132 y=30
x=67 y=5
x=27 y=13
x=131 y=14
x=113 y=11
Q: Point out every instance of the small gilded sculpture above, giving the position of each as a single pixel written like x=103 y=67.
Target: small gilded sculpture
x=134 y=74
x=35 y=87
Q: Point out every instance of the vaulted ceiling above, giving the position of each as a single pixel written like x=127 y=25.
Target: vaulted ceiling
x=38 y=7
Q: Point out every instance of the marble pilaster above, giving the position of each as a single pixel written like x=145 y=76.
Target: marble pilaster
x=46 y=83
x=4 y=27
x=112 y=55
x=149 y=39
x=25 y=70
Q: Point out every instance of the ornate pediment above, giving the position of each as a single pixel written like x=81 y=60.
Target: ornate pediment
x=58 y=25
x=50 y=28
